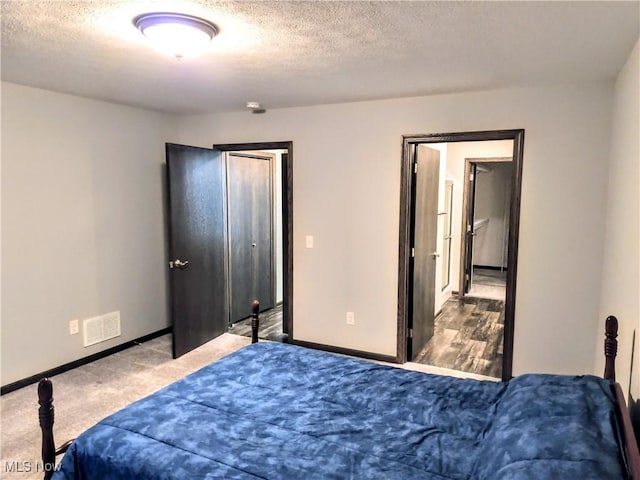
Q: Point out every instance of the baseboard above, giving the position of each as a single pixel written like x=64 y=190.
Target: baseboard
x=81 y=361
x=491 y=267
x=345 y=351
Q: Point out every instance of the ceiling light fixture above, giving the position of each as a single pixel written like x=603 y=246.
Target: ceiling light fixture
x=176 y=34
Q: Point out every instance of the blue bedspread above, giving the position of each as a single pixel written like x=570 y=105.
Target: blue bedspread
x=277 y=411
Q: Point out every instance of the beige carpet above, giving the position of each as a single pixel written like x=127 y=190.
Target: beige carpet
x=87 y=394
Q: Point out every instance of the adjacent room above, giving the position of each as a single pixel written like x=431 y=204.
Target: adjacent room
x=333 y=228
x=464 y=263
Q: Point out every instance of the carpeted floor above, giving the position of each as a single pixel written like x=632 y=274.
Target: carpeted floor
x=87 y=394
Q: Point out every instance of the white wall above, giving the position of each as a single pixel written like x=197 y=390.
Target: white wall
x=82 y=224
x=346 y=190
x=621 y=266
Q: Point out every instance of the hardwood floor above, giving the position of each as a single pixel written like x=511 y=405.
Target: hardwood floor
x=468 y=337
x=270 y=326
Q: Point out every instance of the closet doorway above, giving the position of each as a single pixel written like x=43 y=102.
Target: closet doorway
x=227 y=237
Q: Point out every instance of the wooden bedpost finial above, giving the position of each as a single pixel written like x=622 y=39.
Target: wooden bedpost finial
x=610 y=348
x=45 y=399
x=46 y=417
x=255 y=320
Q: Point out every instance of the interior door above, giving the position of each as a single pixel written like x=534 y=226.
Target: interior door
x=197 y=222
x=250 y=199
x=470 y=230
x=427 y=175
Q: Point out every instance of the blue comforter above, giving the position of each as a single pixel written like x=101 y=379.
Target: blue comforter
x=276 y=411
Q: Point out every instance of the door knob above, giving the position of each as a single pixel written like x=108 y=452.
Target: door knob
x=177 y=263
x=253 y=244
x=435 y=254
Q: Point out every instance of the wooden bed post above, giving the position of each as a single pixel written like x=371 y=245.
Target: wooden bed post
x=610 y=348
x=45 y=414
x=255 y=321
x=630 y=445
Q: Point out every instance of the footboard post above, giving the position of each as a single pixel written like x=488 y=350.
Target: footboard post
x=610 y=348
x=255 y=321
x=46 y=414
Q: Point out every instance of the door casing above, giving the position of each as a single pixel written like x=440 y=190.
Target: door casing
x=404 y=254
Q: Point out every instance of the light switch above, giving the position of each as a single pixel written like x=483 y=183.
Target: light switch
x=309 y=241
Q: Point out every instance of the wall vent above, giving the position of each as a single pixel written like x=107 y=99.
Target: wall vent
x=99 y=329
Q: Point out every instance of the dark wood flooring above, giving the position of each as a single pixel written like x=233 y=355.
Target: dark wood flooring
x=270 y=326
x=468 y=337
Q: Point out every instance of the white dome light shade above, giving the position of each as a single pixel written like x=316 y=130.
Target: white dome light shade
x=176 y=34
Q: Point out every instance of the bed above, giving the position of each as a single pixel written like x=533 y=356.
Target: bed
x=277 y=411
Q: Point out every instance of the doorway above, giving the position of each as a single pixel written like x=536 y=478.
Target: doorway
x=485 y=224
x=200 y=239
x=417 y=260
x=282 y=243
x=254 y=219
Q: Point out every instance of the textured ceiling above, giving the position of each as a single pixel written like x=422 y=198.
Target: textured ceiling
x=302 y=53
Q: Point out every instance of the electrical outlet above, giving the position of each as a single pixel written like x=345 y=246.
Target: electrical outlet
x=351 y=318
x=74 y=327
x=309 y=241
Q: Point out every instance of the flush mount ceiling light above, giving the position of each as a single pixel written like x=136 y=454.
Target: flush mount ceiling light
x=176 y=34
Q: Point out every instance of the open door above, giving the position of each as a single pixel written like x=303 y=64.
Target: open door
x=196 y=184
x=470 y=228
x=425 y=231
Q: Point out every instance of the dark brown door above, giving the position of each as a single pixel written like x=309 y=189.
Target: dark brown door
x=470 y=230
x=427 y=172
x=197 y=224
x=251 y=251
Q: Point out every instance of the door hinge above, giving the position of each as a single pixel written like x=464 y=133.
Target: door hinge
x=413 y=252
x=170 y=264
x=410 y=333
x=471 y=177
x=415 y=167
x=466 y=277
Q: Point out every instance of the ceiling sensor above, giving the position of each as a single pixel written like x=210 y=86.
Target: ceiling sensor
x=256 y=108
